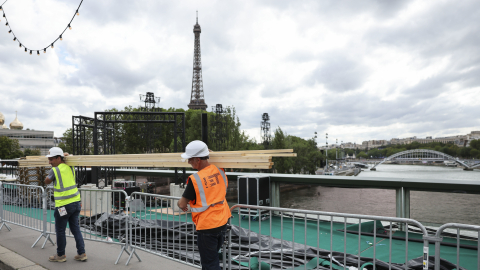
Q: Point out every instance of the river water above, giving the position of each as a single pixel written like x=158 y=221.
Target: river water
x=429 y=207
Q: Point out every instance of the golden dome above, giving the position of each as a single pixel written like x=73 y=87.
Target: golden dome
x=2 y=119
x=16 y=124
x=5 y=126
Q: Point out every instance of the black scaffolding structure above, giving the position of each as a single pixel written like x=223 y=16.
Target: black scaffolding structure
x=82 y=144
x=97 y=136
x=219 y=136
x=105 y=120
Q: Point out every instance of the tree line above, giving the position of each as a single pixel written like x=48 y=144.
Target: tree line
x=225 y=134
x=10 y=149
x=472 y=151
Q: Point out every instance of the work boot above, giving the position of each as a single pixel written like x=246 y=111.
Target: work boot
x=81 y=258
x=56 y=258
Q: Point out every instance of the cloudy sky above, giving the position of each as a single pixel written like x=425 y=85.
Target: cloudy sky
x=358 y=70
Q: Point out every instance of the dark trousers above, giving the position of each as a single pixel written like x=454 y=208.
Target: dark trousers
x=208 y=245
x=73 y=211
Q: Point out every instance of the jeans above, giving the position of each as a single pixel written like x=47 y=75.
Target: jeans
x=208 y=245
x=73 y=211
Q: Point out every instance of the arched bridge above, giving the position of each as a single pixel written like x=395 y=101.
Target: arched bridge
x=424 y=155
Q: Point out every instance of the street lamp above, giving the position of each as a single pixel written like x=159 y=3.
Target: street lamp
x=326 y=152
x=336 y=152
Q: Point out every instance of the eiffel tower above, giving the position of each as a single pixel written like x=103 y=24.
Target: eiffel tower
x=197 y=101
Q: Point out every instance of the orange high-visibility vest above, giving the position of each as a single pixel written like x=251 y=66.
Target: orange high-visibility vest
x=210 y=209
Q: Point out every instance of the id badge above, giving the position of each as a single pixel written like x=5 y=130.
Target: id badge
x=62 y=211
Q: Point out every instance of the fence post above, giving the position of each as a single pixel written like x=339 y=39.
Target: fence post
x=44 y=218
x=403 y=204
x=128 y=232
x=230 y=245
x=2 y=222
x=226 y=246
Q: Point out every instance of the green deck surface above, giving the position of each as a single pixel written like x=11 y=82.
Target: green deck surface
x=322 y=234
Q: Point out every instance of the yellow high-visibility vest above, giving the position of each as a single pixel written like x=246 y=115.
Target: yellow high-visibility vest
x=65 y=189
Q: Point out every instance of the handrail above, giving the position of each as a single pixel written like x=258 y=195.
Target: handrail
x=440 y=185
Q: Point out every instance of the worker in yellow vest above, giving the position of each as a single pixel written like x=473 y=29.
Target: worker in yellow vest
x=205 y=193
x=67 y=204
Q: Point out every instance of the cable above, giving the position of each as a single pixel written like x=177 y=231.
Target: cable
x=15 y=38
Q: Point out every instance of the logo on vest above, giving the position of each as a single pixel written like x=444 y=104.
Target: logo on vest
x=205 y=182
x=213 y=182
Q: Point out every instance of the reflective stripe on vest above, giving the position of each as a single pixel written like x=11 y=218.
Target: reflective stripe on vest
x=201 y=191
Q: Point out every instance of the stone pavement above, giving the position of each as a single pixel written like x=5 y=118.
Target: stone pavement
x=16 y=253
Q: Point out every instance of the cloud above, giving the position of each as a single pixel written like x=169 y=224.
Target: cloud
x=340 y=73
x=357 y=70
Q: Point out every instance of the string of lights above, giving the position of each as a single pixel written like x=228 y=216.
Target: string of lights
x=51 y=45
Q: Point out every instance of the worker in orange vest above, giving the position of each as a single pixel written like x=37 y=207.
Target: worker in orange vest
x=205 y=193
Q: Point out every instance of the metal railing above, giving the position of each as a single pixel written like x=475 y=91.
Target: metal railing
x=438 y=242
x=268 y=246
x=22 y=205
x=165 y=232
x=147 y=222
x=103 y=217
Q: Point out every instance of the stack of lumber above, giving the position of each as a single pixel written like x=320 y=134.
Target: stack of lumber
x=252 y=159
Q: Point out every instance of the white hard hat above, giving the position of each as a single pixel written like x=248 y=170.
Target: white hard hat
x=196 y=149
x=55 y=151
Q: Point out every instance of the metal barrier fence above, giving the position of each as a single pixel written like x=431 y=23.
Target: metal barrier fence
x=103 y=217
x=438 y=239
x=314 y=249
x=162 y=231
x=25 y=208
x=305 y=239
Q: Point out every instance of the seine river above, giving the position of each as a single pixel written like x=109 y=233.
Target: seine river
x=431 y=207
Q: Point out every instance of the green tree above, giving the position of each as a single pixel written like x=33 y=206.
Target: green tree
x=31 y=152
x=9 y=148
x=474 y=153
x=67 y=144
x=362 y=155
x=475 y=144
x=282 y=165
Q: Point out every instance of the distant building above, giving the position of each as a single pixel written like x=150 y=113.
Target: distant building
x=28 y=139
x=458 y=140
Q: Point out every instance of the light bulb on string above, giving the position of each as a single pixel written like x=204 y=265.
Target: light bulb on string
x=9 y=31
x=25 y=49
x=38 y=53
x=20 y=45
x=15 y=38
x=52 y=45
x=78 y=14
x=45 y=50
x=61 y=37
x=30 y=52
x=69 y=27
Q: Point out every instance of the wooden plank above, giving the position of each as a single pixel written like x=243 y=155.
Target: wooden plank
x=250 y=159
x=271 y=151
x=239 y=165
x=274 y=155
